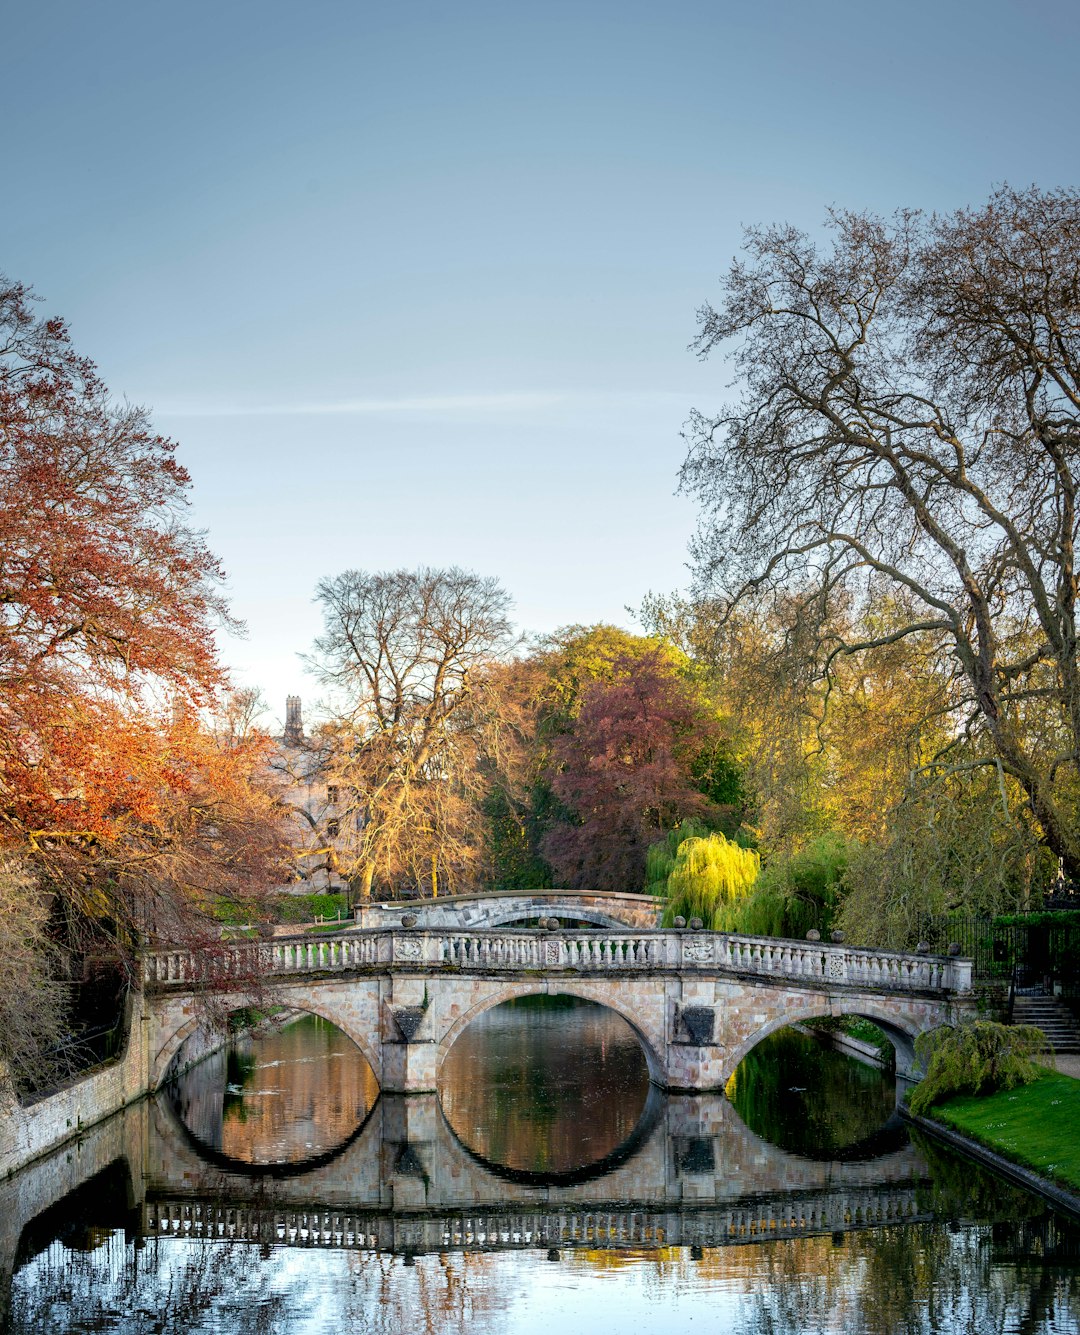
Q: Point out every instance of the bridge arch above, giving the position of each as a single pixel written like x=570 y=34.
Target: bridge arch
x=900 y=1030
x=652 y=1045
x=170 y=1049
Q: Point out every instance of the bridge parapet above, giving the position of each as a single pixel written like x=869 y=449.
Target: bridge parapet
x=504 y=951
x=642 y=1225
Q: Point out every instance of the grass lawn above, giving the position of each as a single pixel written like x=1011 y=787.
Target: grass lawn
x=1037 y=1125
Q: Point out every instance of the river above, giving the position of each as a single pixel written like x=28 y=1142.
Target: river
x=547 y=1187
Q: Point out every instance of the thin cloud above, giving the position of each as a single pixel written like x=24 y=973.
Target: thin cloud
x=438 y=405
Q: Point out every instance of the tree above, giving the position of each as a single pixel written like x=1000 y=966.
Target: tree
x=625 y=773
x=110 y=782
x=909 y=430
x=403 y=654
x=711 y=878
x=128 y=796
x=539 y=697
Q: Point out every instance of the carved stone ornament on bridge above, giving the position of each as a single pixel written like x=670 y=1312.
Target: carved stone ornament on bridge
x=408 y=1020
x=694 y=1154
x=696 y=1022
x=408 y=1163
x=836 y=966
x=408 y=948
x=697 y=949
x=551 y=952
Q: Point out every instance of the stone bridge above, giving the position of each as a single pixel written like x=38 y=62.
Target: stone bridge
x=697 y=1001
x=501 y=908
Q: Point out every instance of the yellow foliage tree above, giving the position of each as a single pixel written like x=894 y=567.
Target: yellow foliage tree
x=711 y=877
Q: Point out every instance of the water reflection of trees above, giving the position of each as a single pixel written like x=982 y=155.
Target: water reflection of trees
x=282 y=1098
x=452 y=1293
x=164 y=1287
x=546 y=1086
x=924 y=1279
x=178 y=1287
x=809 y=1100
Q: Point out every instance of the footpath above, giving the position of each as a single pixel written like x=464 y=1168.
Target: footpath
x=1030 y=1135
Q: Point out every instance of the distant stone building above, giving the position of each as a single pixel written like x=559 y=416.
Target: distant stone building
x=317 y=823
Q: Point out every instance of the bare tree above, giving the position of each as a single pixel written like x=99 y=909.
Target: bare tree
x=401 y=653
x=910 y=425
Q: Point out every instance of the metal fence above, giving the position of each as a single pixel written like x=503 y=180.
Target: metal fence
x=1034 y=948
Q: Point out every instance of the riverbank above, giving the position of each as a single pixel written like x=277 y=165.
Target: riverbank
x=1030 y=1134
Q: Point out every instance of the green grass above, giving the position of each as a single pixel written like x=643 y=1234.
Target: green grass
x=1037 y=1125
x=306 y=908
x=285 y=909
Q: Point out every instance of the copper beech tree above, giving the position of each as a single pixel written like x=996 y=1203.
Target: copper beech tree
x=908 y=437
x=125 y=790
x=625 y=773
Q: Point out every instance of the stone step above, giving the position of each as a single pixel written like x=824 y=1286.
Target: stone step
x=1055 y=1019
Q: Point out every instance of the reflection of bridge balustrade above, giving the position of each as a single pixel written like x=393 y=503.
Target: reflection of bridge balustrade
x=753 y=1221
x=588 y=951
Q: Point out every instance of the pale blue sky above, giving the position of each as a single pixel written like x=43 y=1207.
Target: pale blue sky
x=413 y=283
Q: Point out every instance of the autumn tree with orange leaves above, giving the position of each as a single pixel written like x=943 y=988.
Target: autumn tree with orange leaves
x=118 y=799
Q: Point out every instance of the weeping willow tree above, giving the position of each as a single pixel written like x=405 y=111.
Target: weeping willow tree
x=660 y=859
x=710 y=880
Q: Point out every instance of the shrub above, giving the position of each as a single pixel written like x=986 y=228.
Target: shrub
x=34 y=1001
x=978 y=1057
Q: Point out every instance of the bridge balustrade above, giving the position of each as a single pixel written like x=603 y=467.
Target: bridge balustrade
x=644 y=1225
x=500 y=950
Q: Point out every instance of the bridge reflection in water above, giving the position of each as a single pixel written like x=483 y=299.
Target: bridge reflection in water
x=392 y=1177
x=545 y=1107
x=690 y=1173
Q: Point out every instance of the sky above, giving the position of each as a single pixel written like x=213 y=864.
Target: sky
x=413 y=284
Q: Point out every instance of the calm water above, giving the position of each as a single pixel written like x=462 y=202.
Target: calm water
x=548 y=1186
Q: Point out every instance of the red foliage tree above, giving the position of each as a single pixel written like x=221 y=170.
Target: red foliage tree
x=109 y=600
x=624 y=774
